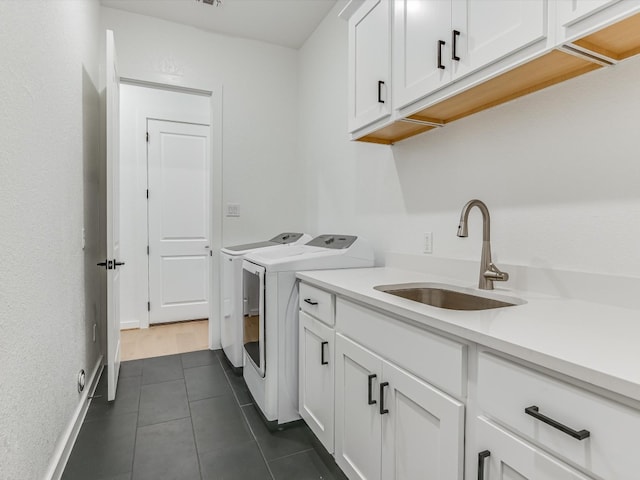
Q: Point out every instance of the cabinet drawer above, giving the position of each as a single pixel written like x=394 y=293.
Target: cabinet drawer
x=317 y=303
x=610 y=451
x=435 y=359
x=508 y=457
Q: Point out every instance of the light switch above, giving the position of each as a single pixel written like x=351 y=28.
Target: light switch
x=233 y=209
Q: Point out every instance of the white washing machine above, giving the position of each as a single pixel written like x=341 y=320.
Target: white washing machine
x=231 y=290
x=271 y=316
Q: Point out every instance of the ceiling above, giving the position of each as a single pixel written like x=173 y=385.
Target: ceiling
x=283 y=22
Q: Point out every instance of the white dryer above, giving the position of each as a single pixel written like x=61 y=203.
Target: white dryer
x=231 y=290
x=271 y=316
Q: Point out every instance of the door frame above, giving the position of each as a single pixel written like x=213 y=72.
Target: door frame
x=214 y=92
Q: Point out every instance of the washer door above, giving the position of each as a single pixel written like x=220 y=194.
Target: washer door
x=253 y=290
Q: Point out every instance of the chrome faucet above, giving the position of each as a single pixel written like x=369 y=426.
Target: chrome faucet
x=489 y=273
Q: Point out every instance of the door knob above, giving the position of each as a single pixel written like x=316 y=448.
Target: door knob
x=108 y=264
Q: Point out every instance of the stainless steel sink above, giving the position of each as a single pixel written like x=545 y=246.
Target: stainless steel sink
x=447 y=296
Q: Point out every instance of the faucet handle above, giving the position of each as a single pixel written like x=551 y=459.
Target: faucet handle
x=494 y=274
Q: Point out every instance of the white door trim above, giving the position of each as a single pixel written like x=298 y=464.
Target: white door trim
x=214 y=91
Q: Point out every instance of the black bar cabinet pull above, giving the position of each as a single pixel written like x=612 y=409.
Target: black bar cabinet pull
x=380 y=84
x=322 y=360
x=534 y=411
x=481 y=456
x=370 y=389
x=382 y=409
x=454 y=41
x=310 y=302
x=441 y=43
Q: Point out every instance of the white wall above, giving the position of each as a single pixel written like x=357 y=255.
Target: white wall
x=559 y=170
x=49 y=164
x=137 y=103
x=261 y=171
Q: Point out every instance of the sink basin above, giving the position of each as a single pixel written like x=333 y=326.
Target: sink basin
x=447 y=296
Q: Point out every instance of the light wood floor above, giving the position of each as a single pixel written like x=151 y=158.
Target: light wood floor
x=164 y=339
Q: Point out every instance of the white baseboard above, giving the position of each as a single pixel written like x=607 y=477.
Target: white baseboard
x=68 y=439
x=127 y=325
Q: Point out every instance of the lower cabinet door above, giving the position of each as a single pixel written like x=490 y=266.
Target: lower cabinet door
x=503 y=456
x=316 y=378
x=422 y=429
x=358 y=426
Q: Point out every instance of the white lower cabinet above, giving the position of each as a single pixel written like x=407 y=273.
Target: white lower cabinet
x=316 y=376
x=372 y=389
x=358 y=426
x=390 y=424
x=423 y=431
x=580 y=428
x=503 y=456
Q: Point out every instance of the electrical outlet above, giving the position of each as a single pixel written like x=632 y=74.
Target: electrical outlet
x=427 y=244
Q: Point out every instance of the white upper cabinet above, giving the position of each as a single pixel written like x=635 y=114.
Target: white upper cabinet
x=369 y=64
x=608 y=28
x=570 y=11
x=422 y=30
x=493 y=29
x=438 y=41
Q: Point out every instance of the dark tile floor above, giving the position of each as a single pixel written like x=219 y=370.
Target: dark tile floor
x=184 y=417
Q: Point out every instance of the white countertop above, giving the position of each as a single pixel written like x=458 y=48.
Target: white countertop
x=596 y=343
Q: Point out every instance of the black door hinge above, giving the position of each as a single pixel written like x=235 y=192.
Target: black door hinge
x=148 y=306
x=147 y=249
x=147 y=194
x=147 y=137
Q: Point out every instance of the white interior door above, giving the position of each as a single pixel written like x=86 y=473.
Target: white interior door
x=179 y=221
x=113 y=260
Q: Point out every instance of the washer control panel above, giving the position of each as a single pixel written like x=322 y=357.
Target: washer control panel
x=336 y=242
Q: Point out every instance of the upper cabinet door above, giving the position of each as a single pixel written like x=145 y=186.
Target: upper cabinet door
x=438 y=41
x=570 y=11
x=369 y=64
x=484 y=32
x=421 y=48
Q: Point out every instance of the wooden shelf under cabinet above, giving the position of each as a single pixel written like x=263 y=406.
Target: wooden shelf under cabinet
x=549 y=69
x=618 y=41
x=398 y=130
